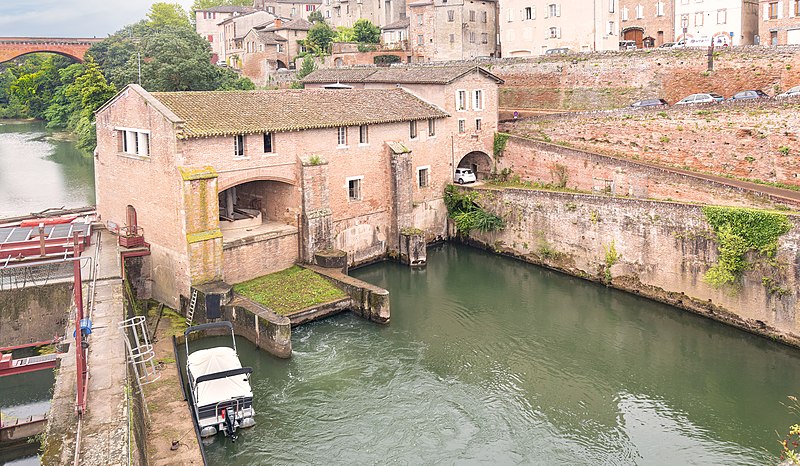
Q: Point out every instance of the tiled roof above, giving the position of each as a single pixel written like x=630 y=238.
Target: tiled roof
x=269 y=38
x=403 y=23
x=229 y=9
x=395 y=74
x=220 y=113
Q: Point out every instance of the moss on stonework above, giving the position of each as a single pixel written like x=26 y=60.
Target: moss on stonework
x=199 y=173
x=203 y=236
x=411 y=232
x=290 y=290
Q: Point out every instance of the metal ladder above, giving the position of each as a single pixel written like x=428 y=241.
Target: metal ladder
x=192 y=305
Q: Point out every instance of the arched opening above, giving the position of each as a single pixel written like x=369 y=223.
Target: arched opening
x=479 y=162
x=258 y=207
x=281 y=65
x=338 y=62
x=636 y=34
x=14 y=55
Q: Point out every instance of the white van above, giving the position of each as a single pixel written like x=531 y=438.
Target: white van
x=704 y=41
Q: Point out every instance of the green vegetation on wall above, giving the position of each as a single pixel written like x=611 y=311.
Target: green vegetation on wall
x=740 y=230
x=467 y=214
x=290 y=290
x=500 y=141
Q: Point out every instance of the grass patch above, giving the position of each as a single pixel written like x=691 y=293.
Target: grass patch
x=289 y=290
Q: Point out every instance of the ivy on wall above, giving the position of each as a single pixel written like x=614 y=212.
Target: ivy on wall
x=467 y=214
x=500 y=141
x=740 y=230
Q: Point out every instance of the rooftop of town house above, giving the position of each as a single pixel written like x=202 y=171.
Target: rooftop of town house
x=298 y=24
x=396 y=74
x=400 y=24
x=269 y=38
x=225 y=113
x=229 y=9
x=244 y=14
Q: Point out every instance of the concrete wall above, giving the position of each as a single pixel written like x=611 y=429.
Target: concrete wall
x=665 y=249
x=755 y=140
x=34 y=314
x=545 y=163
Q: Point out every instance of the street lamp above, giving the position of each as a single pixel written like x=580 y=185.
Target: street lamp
x=685 y=26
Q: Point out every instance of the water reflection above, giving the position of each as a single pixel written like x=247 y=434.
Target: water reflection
x=492 y=360
x=39 y=170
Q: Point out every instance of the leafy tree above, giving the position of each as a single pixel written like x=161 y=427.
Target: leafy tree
x=365 y=32
x=319 y=38
x=316 y=17
x=344 y=34
x=167 y=14
x=206 y=4
x=308 y=67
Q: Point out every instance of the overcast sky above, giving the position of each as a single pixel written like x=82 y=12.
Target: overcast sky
x=71 y=18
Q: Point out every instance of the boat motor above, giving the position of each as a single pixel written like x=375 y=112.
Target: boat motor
x=230 y=424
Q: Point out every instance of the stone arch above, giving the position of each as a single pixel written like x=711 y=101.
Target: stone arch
x=281 y=65
x=253 y=202
x=480 y=162
x=12 y=55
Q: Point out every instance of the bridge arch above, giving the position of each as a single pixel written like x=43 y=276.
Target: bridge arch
x=480 y=162
x=14 y=47
x=257 y=201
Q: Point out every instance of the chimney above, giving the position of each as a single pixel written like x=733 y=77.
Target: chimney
x=278 y=23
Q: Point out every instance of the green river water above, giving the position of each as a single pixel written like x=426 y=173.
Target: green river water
x=491 y=360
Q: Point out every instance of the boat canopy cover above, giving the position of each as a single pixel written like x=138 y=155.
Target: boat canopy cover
x=211 y=361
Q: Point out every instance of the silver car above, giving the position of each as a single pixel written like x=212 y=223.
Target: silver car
x=793 y=92
x=703 y=98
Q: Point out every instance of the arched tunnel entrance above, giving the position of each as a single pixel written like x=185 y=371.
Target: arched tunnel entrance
x=479 y=162
x=257 y=207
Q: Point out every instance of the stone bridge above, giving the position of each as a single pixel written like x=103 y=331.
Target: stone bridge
x=73 y=47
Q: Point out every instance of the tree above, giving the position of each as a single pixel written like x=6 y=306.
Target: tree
x=308 y=67
x=365 y=32
x=316 y=17
x=344 y=34
x=167 y=14
x=319 y=38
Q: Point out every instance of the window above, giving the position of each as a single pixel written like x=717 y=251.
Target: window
x=773 y=10
x=462 y=125
x=553 y=33
x=451 y=15
x=722 y=16
x=279 y=47
x=472 y=37
x=510 y=15
x=554 y=9
x=610 y=29
x=624 y=13
x=268 y=146
x=420 y=39
x=309 y=7
x=210 y=37
x=484 y=17
x=698 y=19
x=484 y=38
x=659 y=8
x=471 y=16
x=354 y=188
x=431 y=128
x=477 y=124
x=639 y=12
x=452 y=38
x=419 y=20
x=412 y=129
x=423 y=176
x=797 y=7
x=612 y=4
x=363 y=134
x=528 y=13
x=328 y=13
x=294 y=11
x=341 y=136
x=477 y=99
x=238 y=145
x=135 y=142
x=461 y=100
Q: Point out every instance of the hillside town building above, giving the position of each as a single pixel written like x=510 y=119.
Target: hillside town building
x=779 y=22
x=241 y=184
x=533 y=27
x=290 y=9
x=441 y=30
x=723 y=22
x=650 y=24
x=207 y=24
x=234 y=30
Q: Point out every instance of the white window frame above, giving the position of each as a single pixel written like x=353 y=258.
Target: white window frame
x=659 y=8
x=427 y=170
x=462 y=103
x=358 y=184
x=271 y=137
x=363 y=135
x=431 y=128
x=341 y=137
x=639 y=11
x=462 y=125
x=413 y=134
x=478 y=124
x=133 y=141
x=722 y=16
x=477 y=99
x=624 y=13
x=239 y=145
x=612 y=6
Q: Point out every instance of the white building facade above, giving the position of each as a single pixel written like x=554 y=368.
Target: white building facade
x=725 y=22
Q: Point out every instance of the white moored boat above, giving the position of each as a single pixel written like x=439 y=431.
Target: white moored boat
x=220 y=387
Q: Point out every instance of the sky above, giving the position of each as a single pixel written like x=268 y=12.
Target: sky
x=72 y=18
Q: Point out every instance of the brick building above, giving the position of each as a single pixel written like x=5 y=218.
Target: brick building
x=726 y=22
x=207 y=24
x=234 y=30
x=234 y=185
x=271 y=47
x=441 y=30
x=347 y=12
x=779 y=22
x=531 y=27
x=650 y=24
x=291 y=9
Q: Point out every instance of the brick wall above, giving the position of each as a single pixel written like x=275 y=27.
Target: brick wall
x=664 y=251
x=256 y=257
x=755 y=140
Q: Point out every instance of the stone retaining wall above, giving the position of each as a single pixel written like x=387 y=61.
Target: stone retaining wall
x=34 y=314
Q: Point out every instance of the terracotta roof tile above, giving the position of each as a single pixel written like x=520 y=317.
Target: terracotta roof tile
x=394 y=74
x=220 y=113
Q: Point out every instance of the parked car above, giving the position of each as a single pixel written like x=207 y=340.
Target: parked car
x=464 y=175
x=649 y=103
x=627 y=45
x=557 y=51
x=702 y=98
x=793 y=92
x=666 y=45
x=749 y=95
